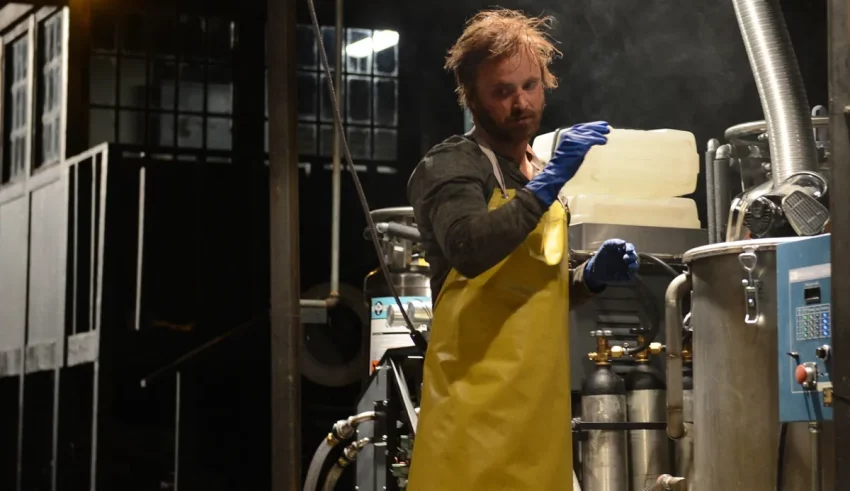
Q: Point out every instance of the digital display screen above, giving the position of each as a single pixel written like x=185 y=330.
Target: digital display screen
x=811 y=294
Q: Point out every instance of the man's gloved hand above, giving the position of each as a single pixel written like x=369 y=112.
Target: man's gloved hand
x=615 y=261
x=569 y=155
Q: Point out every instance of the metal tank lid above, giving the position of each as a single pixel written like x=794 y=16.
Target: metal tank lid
x=735 y=247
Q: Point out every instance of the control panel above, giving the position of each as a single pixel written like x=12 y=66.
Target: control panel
x=803 y=290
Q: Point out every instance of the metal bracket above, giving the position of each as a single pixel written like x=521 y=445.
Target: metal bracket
x=749 y=260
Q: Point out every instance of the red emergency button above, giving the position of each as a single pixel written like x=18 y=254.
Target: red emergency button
x=802 y=374
x=805 y=375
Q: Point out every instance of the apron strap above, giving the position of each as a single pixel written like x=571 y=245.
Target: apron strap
x=491 y=156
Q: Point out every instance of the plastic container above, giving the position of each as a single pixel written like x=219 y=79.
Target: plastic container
x=634 y=163
x=645 y=212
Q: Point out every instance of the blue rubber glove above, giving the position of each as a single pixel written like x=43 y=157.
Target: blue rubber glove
x=569 y=155
x=616 y=261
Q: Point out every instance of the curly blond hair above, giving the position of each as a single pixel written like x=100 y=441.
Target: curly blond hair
x=497 y=34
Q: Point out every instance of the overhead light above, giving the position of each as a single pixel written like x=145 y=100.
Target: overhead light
x=379 y=41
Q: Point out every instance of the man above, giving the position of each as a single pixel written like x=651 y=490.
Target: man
x=495 y=413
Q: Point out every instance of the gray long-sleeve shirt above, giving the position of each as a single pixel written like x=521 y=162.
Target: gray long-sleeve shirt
x=450 y=190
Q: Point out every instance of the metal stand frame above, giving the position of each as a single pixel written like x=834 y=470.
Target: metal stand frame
x=839 y=110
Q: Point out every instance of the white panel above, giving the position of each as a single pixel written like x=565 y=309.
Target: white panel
x=48 y=245
x=13 y=273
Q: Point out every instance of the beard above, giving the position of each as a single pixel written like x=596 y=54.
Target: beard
x=512 y=130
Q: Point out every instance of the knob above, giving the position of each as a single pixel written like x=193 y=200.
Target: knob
x=805 y=374
x=822 y=352
x=617 y=352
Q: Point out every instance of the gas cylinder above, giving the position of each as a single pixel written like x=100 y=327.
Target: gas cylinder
x=649 y=450
x=604 y=464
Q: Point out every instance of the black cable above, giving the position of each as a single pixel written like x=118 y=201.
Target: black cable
x=659 y=262
x=418 y=338
x=780 y=464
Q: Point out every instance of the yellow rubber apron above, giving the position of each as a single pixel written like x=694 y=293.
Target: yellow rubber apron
x=495 y=412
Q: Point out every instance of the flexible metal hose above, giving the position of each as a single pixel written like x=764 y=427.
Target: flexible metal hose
x=780 y=86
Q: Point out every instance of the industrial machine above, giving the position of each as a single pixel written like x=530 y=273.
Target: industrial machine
x=746 y=391
x=409 y=274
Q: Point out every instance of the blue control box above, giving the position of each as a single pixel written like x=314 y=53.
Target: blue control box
x=803 y=291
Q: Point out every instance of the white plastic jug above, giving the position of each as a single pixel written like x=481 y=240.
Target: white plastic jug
x=641 y=212
x=634 y=163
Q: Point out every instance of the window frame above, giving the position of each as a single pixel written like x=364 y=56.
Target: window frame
x=29 y=25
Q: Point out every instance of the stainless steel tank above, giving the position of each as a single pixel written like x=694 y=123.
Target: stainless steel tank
x=649 y=450
x=604 y=464
x=735 y=358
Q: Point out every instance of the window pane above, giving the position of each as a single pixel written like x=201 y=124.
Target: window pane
x=386 y=144
x=102 y=30
x=133 y=82
x=162 y=77
x=191 y=97
x=327 y=105
x=306 y=139
x=358 y=51
x=386 y=61
x=218 y=134
x=326 y=138
x=190 y=131
x=161 y=130
x=305 y=43
x=50 y=109
x=328 y=37
x=219 y=89
x=386 y=99
x=307 y=96
x=191 y=30
x=102 y=80
x=359 y=105
x=163 y=37
x=133 y=38
x=359 y=143
x=101 y=126
x=219 y=38
x=131 y=126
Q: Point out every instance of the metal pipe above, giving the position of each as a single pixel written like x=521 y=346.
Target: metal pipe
x=780 y=86
x=336 y=176
x=283 y=237
x=814 y=431
x=710 y=194
x=722 y=203
x=839 y=99
x=673 y=330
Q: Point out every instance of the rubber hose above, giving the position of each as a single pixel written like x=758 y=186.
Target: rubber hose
x=314 y=472
x=649 y=304
x=659 y=262
x=333 y=476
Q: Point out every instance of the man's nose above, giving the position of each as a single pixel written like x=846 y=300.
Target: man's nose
x=520 y=102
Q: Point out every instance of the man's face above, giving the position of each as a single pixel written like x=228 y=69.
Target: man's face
x=508 y=98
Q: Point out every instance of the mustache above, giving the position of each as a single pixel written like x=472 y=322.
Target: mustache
x=521 y=115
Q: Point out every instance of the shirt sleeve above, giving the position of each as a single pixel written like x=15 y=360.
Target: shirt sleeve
x=579 y=292
x=448 y=192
